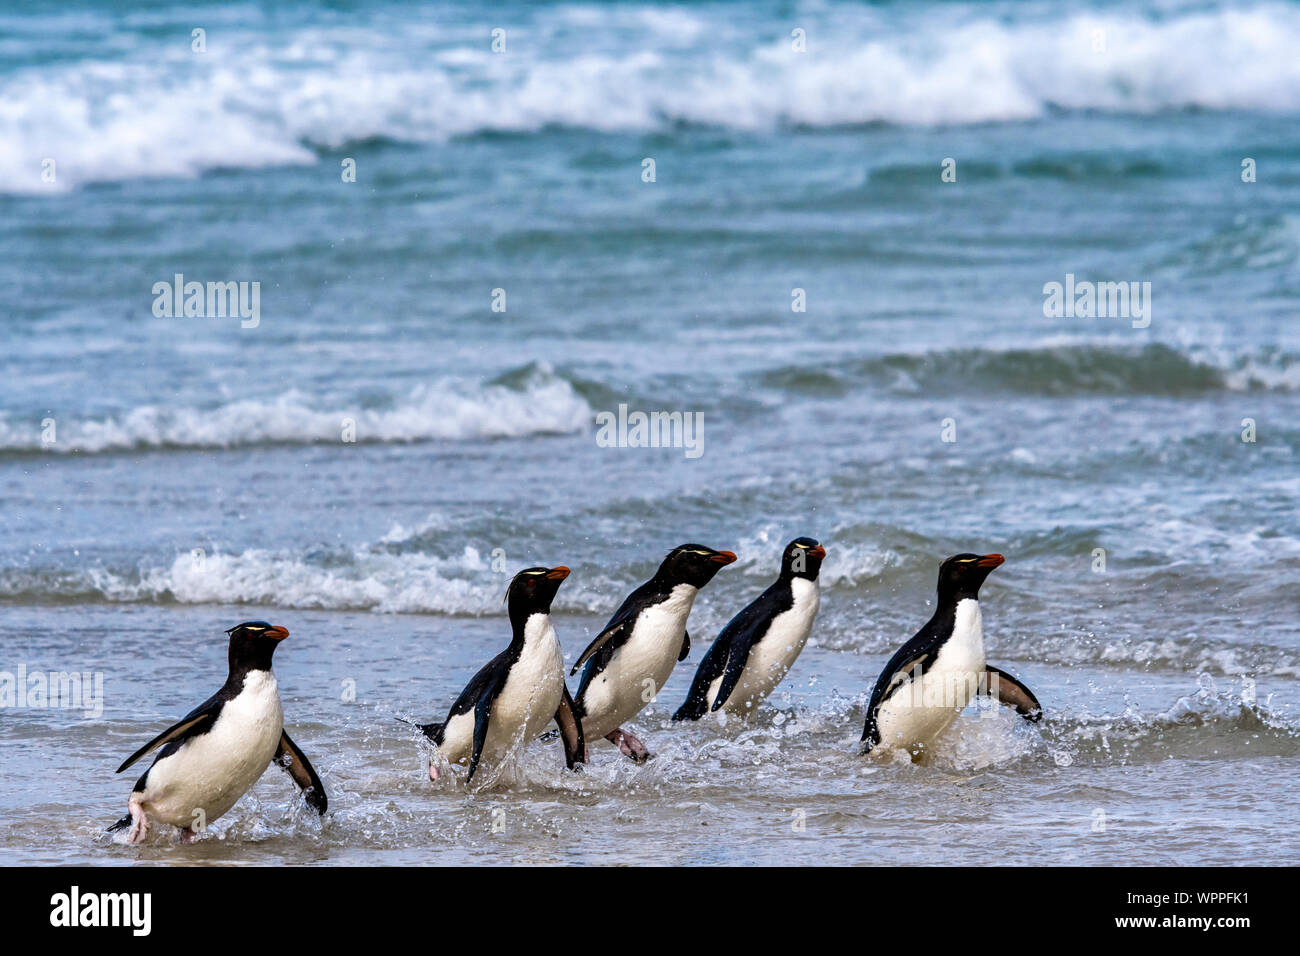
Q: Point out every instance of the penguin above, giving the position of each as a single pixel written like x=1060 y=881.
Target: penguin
x=211 y=757
x=630 y=659
x=932 y=677
x=757 y=647
x=516 y=694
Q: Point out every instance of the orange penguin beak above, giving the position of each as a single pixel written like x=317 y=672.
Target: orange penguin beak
x=991 y=560
x=724 y=557
x=558 y=573
x=277 y=633
x=818 y=552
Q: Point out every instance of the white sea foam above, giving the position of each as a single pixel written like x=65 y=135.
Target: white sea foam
x=846 y=565
x=371 y=581
x=367 y=579
x=273 y=99
x=447 y=411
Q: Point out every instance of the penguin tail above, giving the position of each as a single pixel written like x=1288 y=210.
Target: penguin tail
x=432 y=731
x=121 y=824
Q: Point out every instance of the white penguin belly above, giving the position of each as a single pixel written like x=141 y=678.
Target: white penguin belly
x=531 y=696
x=640 y=668
x=458 y=738
x=771 y=658
x=209 y=773
x=921 y=710
x=524 y=707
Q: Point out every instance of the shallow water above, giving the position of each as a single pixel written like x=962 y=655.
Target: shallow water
x=1170 y=678
x=1154 y=769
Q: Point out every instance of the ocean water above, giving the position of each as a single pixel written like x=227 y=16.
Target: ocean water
x=163 y=478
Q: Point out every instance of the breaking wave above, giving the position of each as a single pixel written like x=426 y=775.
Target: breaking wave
x=368 y=578
x=543 y=404
x=146 y=106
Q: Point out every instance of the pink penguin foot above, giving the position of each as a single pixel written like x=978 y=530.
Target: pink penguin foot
x=139 y=822
x=629 y=744
x=433 y=771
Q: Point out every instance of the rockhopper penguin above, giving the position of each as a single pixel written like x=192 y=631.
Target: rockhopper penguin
x=219 y=750
x=519 y=692
x=630 y=659
x=757 y=647
x=932 y=677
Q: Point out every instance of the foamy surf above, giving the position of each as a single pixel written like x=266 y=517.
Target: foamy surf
x=268 y=99
x=362 y=579
x=546 y=405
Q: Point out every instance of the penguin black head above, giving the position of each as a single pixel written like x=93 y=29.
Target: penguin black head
x=962 y=574
x=802 y=559
x=692 y=564
x=252 y=644
x=532 y=590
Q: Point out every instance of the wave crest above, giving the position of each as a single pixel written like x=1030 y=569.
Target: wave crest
x=1078 y=369
x=264 y=100
x=540 y=404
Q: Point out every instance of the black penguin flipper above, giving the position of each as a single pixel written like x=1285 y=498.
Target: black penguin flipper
x=196 y=722
x=612 y=637
x=891 y=681
x=598 y=658
x=731 y=676
x=710 y=669
x=897 y=674
x=998 y=683
x=870 y=732
x=482 y=716
x=686 y=645
x=570 y=725
x=744 y=631
x=485 y=681
x=616 y=632
x=293 y=760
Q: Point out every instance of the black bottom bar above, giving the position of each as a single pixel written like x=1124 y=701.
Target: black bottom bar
x=334 y=905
